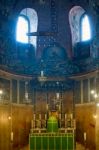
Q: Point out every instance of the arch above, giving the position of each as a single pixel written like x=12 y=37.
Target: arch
x=31 y=14
x=74 y=20
x=79 y=24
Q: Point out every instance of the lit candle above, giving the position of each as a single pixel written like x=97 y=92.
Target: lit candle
x=1 y=92
x=97 y=104
x=9 y=117
x=57 y=95
x=26 y=95
x=92 y=91
x=95 y=96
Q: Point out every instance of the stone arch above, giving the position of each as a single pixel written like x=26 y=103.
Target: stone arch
x=32 y=16
x=75 y=14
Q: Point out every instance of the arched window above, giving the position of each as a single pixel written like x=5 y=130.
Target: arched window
x=85 y=28
x=27 y=22
x=79 y=25
x=22 y=30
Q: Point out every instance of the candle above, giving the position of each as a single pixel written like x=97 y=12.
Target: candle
x=57 y=95
x=47 y=106
x=39 y=116
x=34 y=116
x=65 y=116
x=11 y=136
x=71 y=116
x=26 y=95
x=84 y=136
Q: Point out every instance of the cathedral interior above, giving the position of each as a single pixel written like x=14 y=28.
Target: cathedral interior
x=49 y=74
